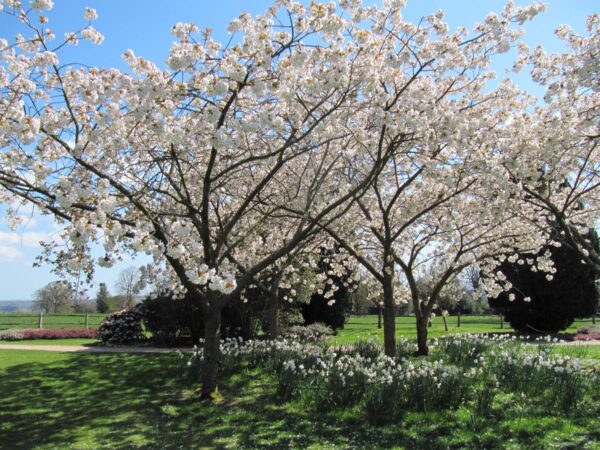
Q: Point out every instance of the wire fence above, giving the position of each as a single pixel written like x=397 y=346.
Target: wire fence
x=90 y=321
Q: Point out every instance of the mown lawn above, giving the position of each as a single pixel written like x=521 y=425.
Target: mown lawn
x=89 y=401
x=365 y=327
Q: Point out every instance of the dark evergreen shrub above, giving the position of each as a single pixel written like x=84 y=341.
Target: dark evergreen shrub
x=172 y=321
x=179 y=321
x=242 y=318
x=554 y=304
x=332 y=310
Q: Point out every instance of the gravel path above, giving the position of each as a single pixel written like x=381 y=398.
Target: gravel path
x=93 y=349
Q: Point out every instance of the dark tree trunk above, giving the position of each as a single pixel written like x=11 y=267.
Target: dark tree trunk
x=445 y=323
x=379 y=316
x=422 y=349
x=212 y=352
x=458 y=320
x=389 y=318
x=274 y=328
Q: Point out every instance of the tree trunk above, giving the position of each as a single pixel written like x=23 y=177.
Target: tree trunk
x=379 y=316
x=422 y=349
x=445 y=323
x=212 y=353
x=458 y=320
x=273 y=331
x=389 y=318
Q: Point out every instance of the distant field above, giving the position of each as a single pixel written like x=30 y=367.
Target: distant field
x=49 y=321
x=365 y=327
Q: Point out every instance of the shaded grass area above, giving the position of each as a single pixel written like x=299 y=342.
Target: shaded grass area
x=50 y=321
x=60 y=400
x=365 y=327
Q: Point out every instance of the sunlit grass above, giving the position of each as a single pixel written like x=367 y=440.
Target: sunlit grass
x=89 y=401
x=365 y=327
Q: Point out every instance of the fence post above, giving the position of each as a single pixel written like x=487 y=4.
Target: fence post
x=87 y=321
x=502 y=322
x=458 y=320
x=41 y=320
x=594 y=318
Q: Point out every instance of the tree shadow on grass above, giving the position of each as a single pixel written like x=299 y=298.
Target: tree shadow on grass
x=81 y=400
x=130 y=401
x=85 y=400
x=93 y=401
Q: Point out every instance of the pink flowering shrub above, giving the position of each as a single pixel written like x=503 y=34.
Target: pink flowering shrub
x=586 y=337
x=50 y=334
x=122 y=326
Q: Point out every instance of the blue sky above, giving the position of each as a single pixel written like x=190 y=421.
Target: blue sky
x=144 y=26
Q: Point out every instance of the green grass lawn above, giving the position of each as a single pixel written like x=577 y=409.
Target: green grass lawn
x=365 y=327
x=52 y=321
x=581 y=352
x=90 y=401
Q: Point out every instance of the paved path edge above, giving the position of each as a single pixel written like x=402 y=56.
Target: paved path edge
x=94 y=349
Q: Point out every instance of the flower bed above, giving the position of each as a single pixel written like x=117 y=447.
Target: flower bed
x=586 y=337
x=22 y=335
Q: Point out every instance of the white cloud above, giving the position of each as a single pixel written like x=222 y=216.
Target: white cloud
x=30 y=239
x=28 y=221
x=9 y=254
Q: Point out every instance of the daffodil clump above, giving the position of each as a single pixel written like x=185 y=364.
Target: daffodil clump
x=466 y=370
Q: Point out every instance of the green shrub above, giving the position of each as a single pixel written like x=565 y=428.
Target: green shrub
x=172 y=321
x=541 y=305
